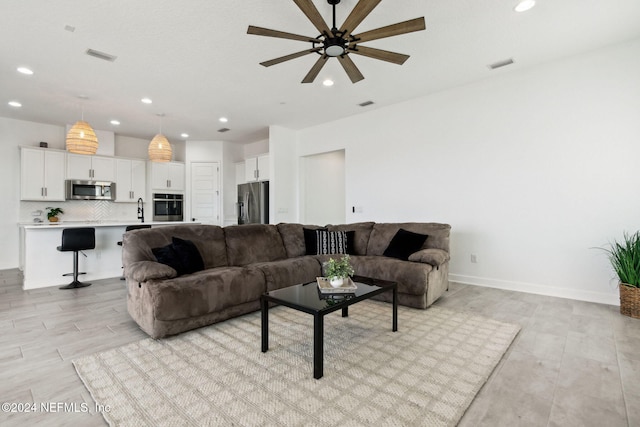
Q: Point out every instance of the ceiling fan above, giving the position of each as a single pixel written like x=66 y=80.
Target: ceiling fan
x=340 y=43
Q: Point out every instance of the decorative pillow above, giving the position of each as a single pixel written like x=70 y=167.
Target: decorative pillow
x=311 y=240
x=181 y=255
x=331 y=242
x=188 y=254
x=404 y=243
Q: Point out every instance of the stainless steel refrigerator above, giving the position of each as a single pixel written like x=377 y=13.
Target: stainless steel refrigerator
x=253 y=203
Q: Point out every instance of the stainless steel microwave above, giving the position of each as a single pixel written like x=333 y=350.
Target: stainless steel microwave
x=89 y=190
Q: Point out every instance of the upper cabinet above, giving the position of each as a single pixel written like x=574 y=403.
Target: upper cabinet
x=42 y=174
x=257 y=168
x=240 y=175
x=167 y=176
x=94 y=168
x=130 y=180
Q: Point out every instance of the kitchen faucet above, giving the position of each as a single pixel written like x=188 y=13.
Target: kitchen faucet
x=140 y=209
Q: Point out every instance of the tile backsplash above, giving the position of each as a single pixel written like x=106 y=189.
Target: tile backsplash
x=83 y=210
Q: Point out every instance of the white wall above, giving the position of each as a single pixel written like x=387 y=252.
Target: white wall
x=323 y=187
x=283 y=181
x=532 y=168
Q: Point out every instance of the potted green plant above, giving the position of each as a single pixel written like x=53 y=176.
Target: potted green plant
x=52 y=214
x=625 y=260
x=338 y=270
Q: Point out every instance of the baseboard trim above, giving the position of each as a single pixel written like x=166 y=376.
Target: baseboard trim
x=532 y=288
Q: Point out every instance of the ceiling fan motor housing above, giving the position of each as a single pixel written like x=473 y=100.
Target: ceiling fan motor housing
x=335 y=46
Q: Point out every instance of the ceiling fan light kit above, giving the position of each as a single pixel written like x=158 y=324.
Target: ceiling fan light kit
x=340 y=43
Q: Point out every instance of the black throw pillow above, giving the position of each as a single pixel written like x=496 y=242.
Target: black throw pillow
x=181 y=255
x=311 y=241
x=166 y=255
x=404 y=243
x=188 y=254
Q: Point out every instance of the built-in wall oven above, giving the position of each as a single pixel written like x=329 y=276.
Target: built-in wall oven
x=168 y=207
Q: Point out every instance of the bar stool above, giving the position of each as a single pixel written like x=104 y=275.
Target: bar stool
x=133 y=227
x=76 y=240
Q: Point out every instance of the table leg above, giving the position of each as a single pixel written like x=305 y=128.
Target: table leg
x=345 y=312
x=395 y=309
x=318 y=346
x=264 y=308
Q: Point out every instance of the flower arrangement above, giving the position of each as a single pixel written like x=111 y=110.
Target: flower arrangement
x=337 y=269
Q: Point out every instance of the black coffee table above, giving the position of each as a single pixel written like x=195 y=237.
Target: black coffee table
x=307 y=298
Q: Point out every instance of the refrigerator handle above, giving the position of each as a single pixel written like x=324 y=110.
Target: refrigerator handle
x=247 y=213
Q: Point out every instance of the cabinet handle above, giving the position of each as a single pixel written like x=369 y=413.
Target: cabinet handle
x=46 y=193
x=42 y=191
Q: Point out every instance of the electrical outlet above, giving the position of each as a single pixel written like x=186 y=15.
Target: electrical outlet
x=474 y=259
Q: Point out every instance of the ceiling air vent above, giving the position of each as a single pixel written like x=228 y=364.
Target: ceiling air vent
x=101 y=55
x=499 y=64
x=223 y=130
x=366 y=103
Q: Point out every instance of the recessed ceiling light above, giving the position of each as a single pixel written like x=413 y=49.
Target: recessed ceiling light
x=328 y=82
x=15 y=104
x=115 y=122
x=146 y=100
x=223 y=120
x=184 y=135
x=524 y=5
x=25 y=70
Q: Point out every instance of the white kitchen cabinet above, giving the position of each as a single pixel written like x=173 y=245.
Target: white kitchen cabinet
x=240 y=175
x=167 y=176
x=131 y=180
x=94 y=168
x=42 y=174
x=257 y=168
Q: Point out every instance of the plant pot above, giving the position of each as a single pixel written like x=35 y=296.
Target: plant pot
x=629 y=301
x=336 y=282
x=53 y=219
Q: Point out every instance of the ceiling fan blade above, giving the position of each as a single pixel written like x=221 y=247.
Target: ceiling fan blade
x=352 y=71
x=357 y=15
x=288 y=57
x=308 y=8
x=259 y=31
x=315 y=70
x=383 y=55
x=392 y=30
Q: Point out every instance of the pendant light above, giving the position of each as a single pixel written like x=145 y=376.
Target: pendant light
x=159 y=147
x=81 y=138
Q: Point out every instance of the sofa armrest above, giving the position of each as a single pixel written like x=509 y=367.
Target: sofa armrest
x=434 y=257
x=142 y=271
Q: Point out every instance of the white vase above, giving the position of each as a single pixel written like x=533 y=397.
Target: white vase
x=336 y=282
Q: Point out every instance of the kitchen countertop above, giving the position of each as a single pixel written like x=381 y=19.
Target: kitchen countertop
x=76 y=224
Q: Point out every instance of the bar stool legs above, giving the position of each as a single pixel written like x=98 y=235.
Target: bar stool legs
x=76 y=283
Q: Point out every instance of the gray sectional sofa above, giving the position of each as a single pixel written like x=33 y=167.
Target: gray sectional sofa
x=242 y=262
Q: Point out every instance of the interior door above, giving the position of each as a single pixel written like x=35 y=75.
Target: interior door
x=205 y=192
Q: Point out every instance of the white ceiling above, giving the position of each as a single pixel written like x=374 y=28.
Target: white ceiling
x=194 y=59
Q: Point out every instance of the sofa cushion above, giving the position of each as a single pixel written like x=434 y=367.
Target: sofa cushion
x=289 y=272
x=404 y=243
x=382 y=234
x=205 y=292
x=209 y=240
x=412 y=277
x=252 y=243
x=293 y=238
x=181 y=255
x=361 y=236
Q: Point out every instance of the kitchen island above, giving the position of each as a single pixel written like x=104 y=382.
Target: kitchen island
x=43 y=265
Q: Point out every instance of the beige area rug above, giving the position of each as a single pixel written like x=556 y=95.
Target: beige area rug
x=426 y=374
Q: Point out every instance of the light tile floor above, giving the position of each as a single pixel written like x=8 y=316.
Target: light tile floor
x=573 y=363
